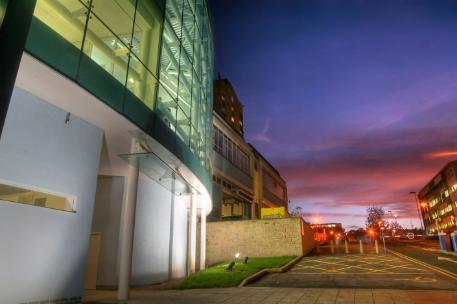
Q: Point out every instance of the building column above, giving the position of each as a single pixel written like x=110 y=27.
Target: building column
x=253 y=211
x=126 y=231
x=191 y=249
x=202 y=238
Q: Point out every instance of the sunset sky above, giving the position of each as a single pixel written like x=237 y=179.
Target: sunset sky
x=355 y=102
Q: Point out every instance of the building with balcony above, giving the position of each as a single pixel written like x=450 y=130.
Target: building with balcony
x=437 y=201
x=105 y=148
x=243 y=180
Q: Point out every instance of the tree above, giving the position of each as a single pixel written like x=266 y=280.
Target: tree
x=375 y=214
x=296 y=212
x=395 y=225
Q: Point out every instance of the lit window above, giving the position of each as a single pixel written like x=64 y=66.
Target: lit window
x=40 y=198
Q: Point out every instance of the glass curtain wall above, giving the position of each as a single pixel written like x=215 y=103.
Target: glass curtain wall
x=3 y=5
x=121 y=36
x=185 y=96
x=157 y=52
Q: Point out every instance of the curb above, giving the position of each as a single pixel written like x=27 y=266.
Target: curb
x=434 y=268
x=261 y=273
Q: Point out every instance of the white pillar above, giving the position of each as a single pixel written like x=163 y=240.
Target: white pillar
x=202 y=238
x=127 y=229
x=192 y=235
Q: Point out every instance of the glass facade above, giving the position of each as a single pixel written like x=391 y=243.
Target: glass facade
x=3 y=5
x=150 y=60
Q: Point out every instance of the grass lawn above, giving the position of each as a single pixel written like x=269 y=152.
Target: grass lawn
x=217 y=276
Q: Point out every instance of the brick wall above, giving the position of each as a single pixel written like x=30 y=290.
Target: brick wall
x=257 y=238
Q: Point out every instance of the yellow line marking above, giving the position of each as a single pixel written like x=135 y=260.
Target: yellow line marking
x=434 y=268
x=419 y=279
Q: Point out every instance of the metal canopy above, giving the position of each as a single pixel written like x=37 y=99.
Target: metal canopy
x=155 y=168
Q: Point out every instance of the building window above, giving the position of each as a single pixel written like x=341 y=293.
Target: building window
x=232 y=152
x=40 y=198
x=272 y=186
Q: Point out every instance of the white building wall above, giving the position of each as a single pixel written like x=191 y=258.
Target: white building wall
x=43 y=251
x=106 y=221
x=180 y=232
x=152 y=233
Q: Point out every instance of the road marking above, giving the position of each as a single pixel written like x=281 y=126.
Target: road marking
x=437 y=269
x=388 y=265
x=447 y=259
x=419 y=279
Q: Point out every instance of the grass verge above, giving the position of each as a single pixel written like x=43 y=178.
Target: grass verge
x=217 y=276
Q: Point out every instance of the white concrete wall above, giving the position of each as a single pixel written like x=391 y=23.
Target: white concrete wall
x=106 y=221
x=152 y=233
x=43 y=251
x=179 y=251
x=151 y=248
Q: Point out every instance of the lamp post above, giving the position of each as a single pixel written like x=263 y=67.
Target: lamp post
x=419 y=213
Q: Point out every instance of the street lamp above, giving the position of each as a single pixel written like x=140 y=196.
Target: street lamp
x=419 y=213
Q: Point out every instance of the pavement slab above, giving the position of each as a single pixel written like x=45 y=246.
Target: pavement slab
x=271 y=295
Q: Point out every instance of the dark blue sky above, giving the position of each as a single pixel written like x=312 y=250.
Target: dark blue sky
x=349 y=99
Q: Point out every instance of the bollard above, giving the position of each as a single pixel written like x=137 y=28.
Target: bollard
x=442 y=239
x=376 y=246
x=454 y=240
x=346 y=246
x=332 y=247
x=317 y=247
x=361 y=246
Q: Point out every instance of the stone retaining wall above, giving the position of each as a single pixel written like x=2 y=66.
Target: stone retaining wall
x=257 y=238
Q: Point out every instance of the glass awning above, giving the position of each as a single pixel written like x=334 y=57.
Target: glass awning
x=155 y=168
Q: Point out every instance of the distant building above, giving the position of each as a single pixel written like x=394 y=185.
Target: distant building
x=335 y=227
x=324 y=232
x=438 y=201
x=227 y=104
x=243 y=180
x=270 y=189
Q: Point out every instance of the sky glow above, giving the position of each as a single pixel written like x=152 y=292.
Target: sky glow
x=354 y=101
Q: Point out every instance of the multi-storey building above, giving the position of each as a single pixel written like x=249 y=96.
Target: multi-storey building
x=243 y=180
x=269 y=187
x=227 y=104
x=105 y=150
x=438 y=201
x=232 y=173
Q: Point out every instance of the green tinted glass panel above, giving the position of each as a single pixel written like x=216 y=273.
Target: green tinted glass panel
x=3 y=5
x=106 y=49
x=150 y=60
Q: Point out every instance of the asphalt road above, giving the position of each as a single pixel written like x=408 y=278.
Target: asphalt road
x=355 y=270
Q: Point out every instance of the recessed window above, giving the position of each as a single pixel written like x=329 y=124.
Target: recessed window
x=40 y=198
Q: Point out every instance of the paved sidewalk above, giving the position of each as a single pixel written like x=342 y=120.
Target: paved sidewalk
x=267 y=295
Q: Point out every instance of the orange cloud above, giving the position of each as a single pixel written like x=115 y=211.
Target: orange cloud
x=442 y=154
